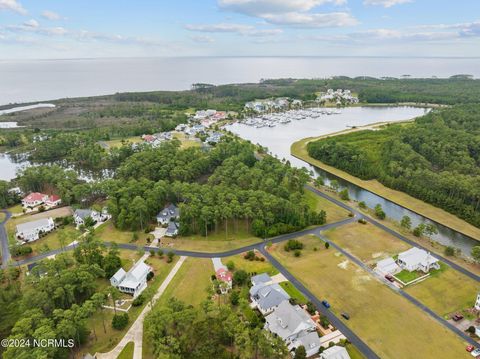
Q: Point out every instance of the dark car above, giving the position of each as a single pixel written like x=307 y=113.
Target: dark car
x=325 y=304
x=390 y=278
x=457 y=317
x=346 y=316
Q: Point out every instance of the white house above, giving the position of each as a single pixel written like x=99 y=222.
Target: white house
x=30 y=231
x=80 y=215
x=132 y=282
x=34 y=199
x=387 y=266
x=335 y=352
x=267 y=297
x=167 y=214
x=477 y=302
x=416 y=259
x=294 y=326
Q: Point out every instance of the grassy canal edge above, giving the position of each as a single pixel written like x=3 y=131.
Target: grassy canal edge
x=299 y=150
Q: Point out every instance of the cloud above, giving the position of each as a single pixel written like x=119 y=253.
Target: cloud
x=31 y=23
x=202 y=39
x=12 y=5
x=259 y=8
x=386 y=3
x=240 y=29
x=296 y=13
x=307 y=20
x=50 y=15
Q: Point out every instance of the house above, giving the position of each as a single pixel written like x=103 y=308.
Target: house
x=293 y=325
x=53 y=201
x=261 y=278
x=132 y=282
x=36 y=269
x=214 y=137
x=267 y=297
x=34 y=199
x=416 y=259
x=80 y=215
x=309 y=340
x=167 y=214
x=225 y=276
x=30 y=231
x=148 y=138
x=172 y=229
x=387 y=266
x=477 y=302
x=335 y=352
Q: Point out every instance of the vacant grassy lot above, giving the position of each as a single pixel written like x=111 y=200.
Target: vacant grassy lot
x=107 y=338
x=119 y=142
x=446 y=291
x=299 y=150
x=108 y=233
x=251 y=266
x=191 y=283
x=334 y=212
x=365 y=241
x=186 y=140
x=235 y=230
x=390 y=324
x=17 y=209
x=207 y=245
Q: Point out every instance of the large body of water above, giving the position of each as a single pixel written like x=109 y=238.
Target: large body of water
x=279 y=139
x=40 y=80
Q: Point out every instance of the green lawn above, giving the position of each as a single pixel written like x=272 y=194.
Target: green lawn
x=2 y=216
x=406 y=276
x=120 y=141
x=293 y=292
x=251 y=266
x=191 y=282
x=334 y=213
x=354 y=352
x=108 y=233
x=366 y=241
x=127 y=352
x=445 y=291
x=17 y=209
x=107 y=339
x=391 y=325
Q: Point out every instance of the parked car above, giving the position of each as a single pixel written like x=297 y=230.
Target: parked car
x=475 y=353
x=346 y=316
x=457 y=317
x=390 y=278
x=469 y=348
x=325 y=304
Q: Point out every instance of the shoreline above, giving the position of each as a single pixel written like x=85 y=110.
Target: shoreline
x=419 y=207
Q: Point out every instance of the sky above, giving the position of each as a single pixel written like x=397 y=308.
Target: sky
x=47 y=29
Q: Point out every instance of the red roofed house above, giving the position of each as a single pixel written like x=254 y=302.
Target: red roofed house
x=53 y=201
x=34 y=199
x=225 y=276
x=148 y=138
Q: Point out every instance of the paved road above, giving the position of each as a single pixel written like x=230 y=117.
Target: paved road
x=404 y=294
x=352 y=337
x=4 y=239
x=395 y=234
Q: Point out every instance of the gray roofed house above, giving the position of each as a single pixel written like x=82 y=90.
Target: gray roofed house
x=335 y=352
x=172 y=229
x=261 y=278
x=30 y=231
x=266 y=297
x=288 y=322
x=166 y=214
x=309 y=340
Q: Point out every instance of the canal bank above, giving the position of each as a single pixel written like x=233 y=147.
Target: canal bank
x=453 y=231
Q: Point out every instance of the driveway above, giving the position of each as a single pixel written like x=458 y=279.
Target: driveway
x=4 y=239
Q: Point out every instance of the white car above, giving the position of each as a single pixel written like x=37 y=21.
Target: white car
x=475 y=353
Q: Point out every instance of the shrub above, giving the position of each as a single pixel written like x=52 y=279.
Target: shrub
x=362 y=221
x=240 y=277
x=327 y=245
x=471 y=329
x=344 y=195
x=120 y=321
x=21 y=251
x=138 y=301
x=297 y=253
x=379 y=212
x=293 y=244
x=230 y=265
x=262 y=259
x=234 y=298
x=160 y=253
x=311 y=308
x=150 y=275
x=449 y=251
x=362 y=205
x=250 y=255
x=152 y=252
x=351 y=215
x=170 y=256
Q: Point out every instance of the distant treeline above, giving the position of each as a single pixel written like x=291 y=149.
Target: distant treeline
x=436 y=159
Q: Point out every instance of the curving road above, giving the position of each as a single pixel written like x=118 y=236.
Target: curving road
x=4 y=239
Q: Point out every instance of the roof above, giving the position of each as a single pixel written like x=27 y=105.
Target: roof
x=54 y=198
x=270 y=296
x=415 y=256
x=261 y=278
x=139 y=270
x=172 y=227
x=335 y=352
x=224 y=275
x=287 y=320
x=35 y=196
x=309 y=340
x=119 y=275
x=83 y=213
x=387 y=265
x=30 y=226
x=169 y=211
